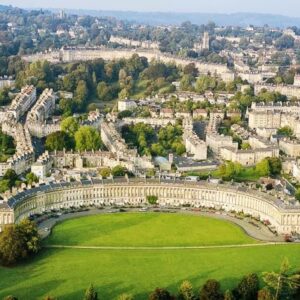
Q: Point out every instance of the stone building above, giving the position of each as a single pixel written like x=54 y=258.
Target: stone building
x=216 y=142
x=284 y=217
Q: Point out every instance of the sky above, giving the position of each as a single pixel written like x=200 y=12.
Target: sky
x=283 y=7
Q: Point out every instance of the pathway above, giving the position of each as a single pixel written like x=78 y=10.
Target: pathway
x=165 y=248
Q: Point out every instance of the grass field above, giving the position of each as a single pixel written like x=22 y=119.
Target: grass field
x=150 y=229
x=65 y=273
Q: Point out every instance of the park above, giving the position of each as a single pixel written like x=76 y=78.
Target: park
x=136 y=252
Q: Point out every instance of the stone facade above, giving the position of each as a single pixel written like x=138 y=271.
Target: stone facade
x=216 y=142
x=283 y=218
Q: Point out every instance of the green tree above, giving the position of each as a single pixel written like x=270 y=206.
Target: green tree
x=285 y=131
x=282 y=284
x=275 y=165
x=4 y=185
x=285 y=42
x=160 y=294
x=31 y=177
x=124 y=94
x=191 y=69
x=263 y=168
x=118 y=171
x=10 y=177
x=125 y=297
x=228 y=295
x=18 y=242
x=81 y=94
x=90 y=293
x=245 y=146
x=59 y=141
x=104 y=92
x=152 y=199
x=211 y=290
x=186 y=82
x=186 y=291
x=158 y=150
x=105 y=172
x=87 y=138
x=69 y=125
x=66 y=107
x=297 y=194
x=248 y=287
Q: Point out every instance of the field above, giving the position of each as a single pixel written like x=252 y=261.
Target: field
x=150 y=229
x=65 y=273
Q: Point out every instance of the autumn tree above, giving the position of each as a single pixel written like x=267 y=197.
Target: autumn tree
x=211 y=290
x=90 y=293
x=160 y=294
x=282 y=284
x=248 y=287
x=186 y=291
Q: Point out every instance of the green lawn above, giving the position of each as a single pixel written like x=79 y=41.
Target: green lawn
x=66 y=273
x=148 y=229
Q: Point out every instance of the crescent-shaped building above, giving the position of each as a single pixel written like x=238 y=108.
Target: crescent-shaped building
x=282 y=217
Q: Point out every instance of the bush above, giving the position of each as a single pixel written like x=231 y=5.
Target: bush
x=152 y=199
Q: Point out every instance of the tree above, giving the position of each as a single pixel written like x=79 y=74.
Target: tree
x=245 y=146
x=297 y=194
x=66 y=107
x=160 y=294
x=104 y=92
x=31 y=177
x=186 y=82
x=105 y=172
x=10 y=297
x=90 y=293
x=69 y=125
x=81 y=94
x=285 y=42
x=125 y=297
x=17 y=242
x=228 y=295
x=191 y=69
x=248 y=287
x=125 y=114
x=10 y=177
x=263 y=168
x=282 y=284
x=275 y=165
x=87 y=138
x=264 y=294
x=152 y=199
x=49 y=298
x=118 y=171
x=59 y=141
x=285 y=131
x=124 y=94
x=211 y=290
x=186 y=291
